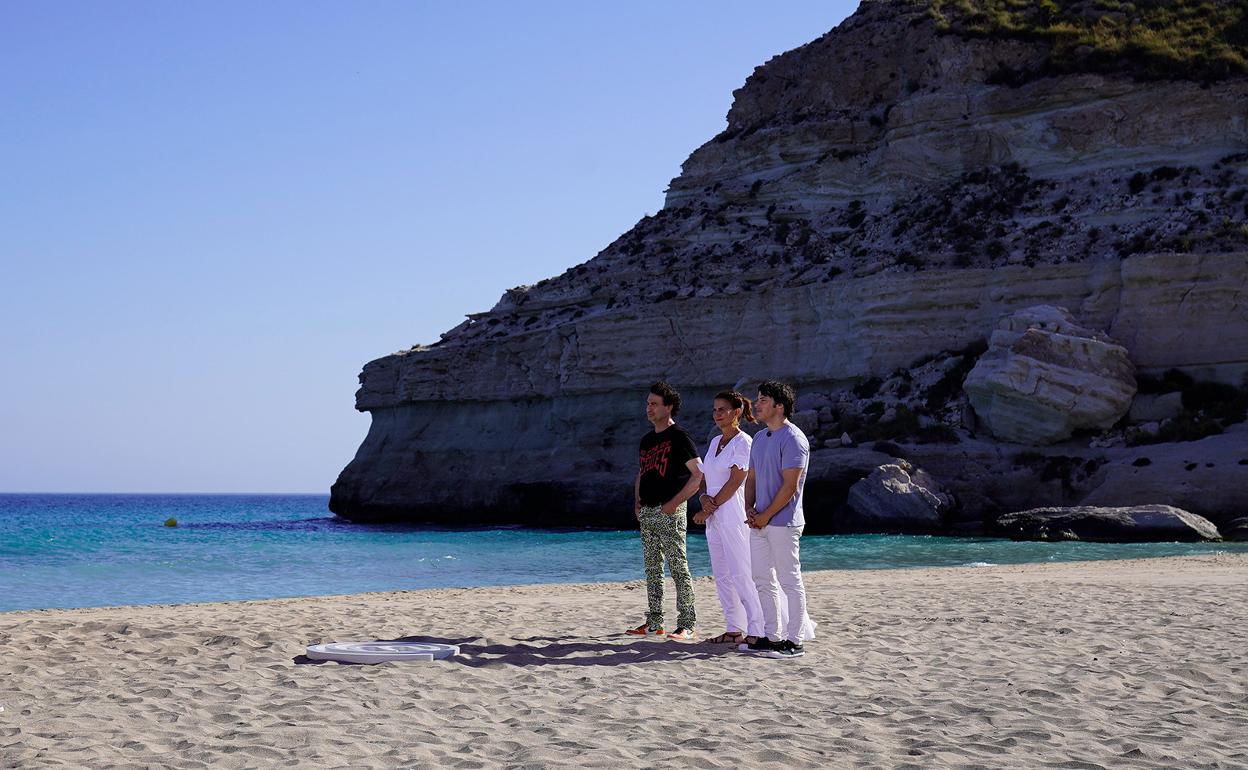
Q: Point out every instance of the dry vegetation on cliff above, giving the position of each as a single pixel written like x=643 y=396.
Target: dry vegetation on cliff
x=1199 y=39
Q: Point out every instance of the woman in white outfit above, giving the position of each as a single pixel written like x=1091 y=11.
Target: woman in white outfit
x=723 y=512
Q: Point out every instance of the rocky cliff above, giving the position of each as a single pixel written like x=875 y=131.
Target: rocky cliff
x=884 y=193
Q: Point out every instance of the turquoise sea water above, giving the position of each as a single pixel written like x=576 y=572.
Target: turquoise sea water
x=98 y=550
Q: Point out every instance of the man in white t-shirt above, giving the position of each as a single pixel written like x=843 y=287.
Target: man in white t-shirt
x=773 y=507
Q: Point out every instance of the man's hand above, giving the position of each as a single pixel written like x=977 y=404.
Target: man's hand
x=700 y=518
x=668 y=508
x=708 y=504
x=757 y=520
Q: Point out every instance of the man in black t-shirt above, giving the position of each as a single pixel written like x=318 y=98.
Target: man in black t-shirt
x=668 y=475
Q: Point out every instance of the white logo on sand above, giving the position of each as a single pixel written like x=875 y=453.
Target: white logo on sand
x=381 y=652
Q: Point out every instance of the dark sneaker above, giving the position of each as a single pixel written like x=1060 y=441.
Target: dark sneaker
x=786 y=649
x=763 y=644
x=645 y=630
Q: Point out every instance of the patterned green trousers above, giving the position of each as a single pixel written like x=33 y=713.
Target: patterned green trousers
x=664 y=536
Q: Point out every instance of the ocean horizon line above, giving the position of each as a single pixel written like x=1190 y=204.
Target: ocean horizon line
x=170 y=494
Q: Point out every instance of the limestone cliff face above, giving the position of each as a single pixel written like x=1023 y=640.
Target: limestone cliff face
x=874 y=200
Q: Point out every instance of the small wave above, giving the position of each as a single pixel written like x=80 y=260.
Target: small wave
x=978 y=564
x=286 y=525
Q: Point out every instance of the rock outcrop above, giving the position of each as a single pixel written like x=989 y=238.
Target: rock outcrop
x=1143 y=523
x=879 y=195
x=1208 y=476
x=1045 y=377
x=897 y=498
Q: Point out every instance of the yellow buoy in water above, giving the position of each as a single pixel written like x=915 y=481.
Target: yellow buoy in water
x=171 y=522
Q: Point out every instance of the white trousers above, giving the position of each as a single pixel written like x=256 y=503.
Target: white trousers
x=728 y=540
x=775 y=559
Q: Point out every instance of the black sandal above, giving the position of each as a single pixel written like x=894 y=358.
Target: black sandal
x=728 y=637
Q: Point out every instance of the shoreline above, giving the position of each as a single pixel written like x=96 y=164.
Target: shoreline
x=630 y=584
x=1117 y=663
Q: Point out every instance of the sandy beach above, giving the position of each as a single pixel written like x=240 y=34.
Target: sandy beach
x=1080 y=665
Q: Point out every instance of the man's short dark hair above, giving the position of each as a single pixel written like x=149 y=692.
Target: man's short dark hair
x=779 y=392
x=668 y=394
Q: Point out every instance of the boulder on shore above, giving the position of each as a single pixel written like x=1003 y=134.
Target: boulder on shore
x=1044 y=376
x=897 y=498
x=1141 y=523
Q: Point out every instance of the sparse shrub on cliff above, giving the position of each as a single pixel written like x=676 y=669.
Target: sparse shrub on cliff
x=868 y=388
x=950 y=382
x=935 y=434
x=1005 y=75
x=1064 y=468
x=1165 y=173
x=1133 y=245
x=1208 y=408
x=1185 y=427
x=1220 y=401
x=889 y=448
x=907 y=259
x=1027 y=457
x=1170 y=380
x=1150 y=39
x=905 y=427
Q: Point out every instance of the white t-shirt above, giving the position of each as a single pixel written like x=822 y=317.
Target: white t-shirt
x=719 y=469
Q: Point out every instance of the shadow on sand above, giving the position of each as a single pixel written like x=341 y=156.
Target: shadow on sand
x=615 y=650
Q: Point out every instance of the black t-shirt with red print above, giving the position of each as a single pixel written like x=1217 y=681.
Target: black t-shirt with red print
x=664 y=464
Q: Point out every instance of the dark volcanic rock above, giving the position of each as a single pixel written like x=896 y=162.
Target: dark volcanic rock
x=1141 y=523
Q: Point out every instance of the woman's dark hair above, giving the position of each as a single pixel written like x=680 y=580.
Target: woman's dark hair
x=779 y=392
x=668 y=394
x=738 y=401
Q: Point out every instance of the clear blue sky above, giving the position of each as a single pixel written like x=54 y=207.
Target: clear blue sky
x=214 y=213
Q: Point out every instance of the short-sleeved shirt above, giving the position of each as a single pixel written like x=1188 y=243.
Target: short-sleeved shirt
x=665 y=460
x=718 y=467
x=773 y=452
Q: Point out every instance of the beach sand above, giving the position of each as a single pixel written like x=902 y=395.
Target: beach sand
x=1097 y=664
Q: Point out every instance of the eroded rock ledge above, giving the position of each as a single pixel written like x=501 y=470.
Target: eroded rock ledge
x=877 y=198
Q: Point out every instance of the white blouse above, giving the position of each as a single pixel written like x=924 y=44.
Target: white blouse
x=719 y=469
